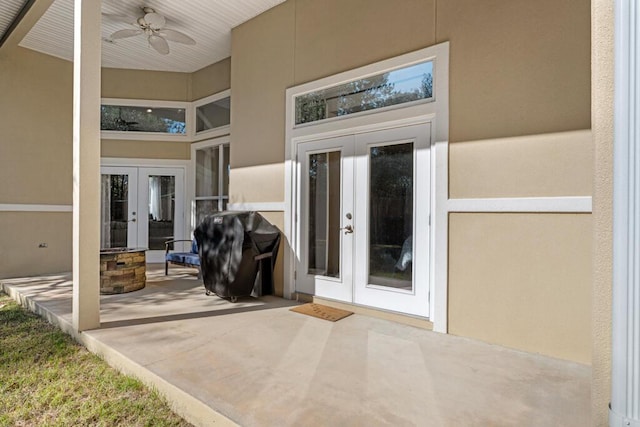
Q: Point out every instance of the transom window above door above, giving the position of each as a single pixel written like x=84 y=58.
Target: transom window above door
x=403 y=85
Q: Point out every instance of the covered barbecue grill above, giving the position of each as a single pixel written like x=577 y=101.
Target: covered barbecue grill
x=237 y=253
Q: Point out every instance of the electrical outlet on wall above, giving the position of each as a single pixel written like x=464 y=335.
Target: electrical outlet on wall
x=43 y=245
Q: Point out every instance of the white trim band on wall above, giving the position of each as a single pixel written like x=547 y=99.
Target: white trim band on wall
x=35 y=208
x=522 y=204
x=257 y=206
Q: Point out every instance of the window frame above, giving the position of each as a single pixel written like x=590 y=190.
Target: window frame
x=209 y=133
x=431 y=61
x=148 y=136
x=221 y=143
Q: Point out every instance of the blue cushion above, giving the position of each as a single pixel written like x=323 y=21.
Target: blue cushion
x=183 y=258
x=194 y=246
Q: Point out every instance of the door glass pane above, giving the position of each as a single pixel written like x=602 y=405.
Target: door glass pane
x=225 y=170
x=114 y=211
x=207 y=165
x=324 y=214
x=161 y=210
x=204 y=208
x=391 y=216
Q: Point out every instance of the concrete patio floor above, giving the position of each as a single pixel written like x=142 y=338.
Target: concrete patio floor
x=255 y=363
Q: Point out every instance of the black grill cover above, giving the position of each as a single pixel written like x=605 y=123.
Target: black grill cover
x=228 y=245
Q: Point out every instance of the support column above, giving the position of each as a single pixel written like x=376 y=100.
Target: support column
x=625 y=374
x=86 y=164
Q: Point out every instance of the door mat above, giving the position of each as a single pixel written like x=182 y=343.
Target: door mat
x=322 y=311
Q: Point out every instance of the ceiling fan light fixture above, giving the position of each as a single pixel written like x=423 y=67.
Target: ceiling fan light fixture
x=152 y=25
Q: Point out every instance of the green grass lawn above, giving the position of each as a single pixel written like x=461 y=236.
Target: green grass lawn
x=47 y=379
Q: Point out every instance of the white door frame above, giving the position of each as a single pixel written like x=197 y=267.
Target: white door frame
x=184 y=165
x=341 y=287
x=436 y=113
x=158 y=255
x=132 y=199
x=416 y=300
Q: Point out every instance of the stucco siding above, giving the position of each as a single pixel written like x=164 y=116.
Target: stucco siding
x=520 y=120
x=22 y=234
x=545 y=165
x=523 y=281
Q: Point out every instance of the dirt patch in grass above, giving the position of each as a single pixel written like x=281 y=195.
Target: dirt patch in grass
x=47 y=379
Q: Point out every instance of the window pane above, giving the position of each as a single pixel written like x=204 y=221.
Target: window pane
x=204 y=208
x=207 y=165
x=392 y=88
x=161 y=210
x=225 y=171
x=391 y=216
x=114 y=211
x=213 y=115
x=324 y=214
x=142 y=119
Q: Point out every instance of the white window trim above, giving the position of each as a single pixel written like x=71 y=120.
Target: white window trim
x=209 y=133
x=185 y=165
x=191 y=185
x=148 y=136
x=436 y=112
x=190 y=119
x=371 y=111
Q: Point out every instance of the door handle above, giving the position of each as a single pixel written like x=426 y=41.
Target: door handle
x=348 y=229
x=132 y=220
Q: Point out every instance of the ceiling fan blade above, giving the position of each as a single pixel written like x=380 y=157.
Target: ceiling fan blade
x=176 y=36
x=159 y=44
x=155 y=20
x=123 y=34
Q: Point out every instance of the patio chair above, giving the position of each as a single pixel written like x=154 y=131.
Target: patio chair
x=185 y=259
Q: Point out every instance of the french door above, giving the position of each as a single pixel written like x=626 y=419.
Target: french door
x=142 y=207
x=364 y=209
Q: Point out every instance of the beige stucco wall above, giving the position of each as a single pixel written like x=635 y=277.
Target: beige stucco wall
x=36 y=149
x=123 y=148
x=602 y=118
x=544 y=165
x=504 y=82
x=36 y=119
x=212 y=79
x=23 y=232
x=35 y=161
x=336 y=35
x=141 y=84
x=522 y=280
x=517 y=67
x=160 y=85
x=261 y=69
x=152 y=85
x=520 y=124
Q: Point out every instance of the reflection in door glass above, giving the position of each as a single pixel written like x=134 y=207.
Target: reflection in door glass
x=161 y=210
x=114 y=211
x=391 y=216
x=324 y=214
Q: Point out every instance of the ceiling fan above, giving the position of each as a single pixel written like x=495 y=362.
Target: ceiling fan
x=151 y=25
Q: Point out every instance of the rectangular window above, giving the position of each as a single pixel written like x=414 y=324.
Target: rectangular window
x=408 y=84
x=213 y=115
x=324 y=214
x=124 y=118
x=212 y=180
x=391 y=215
